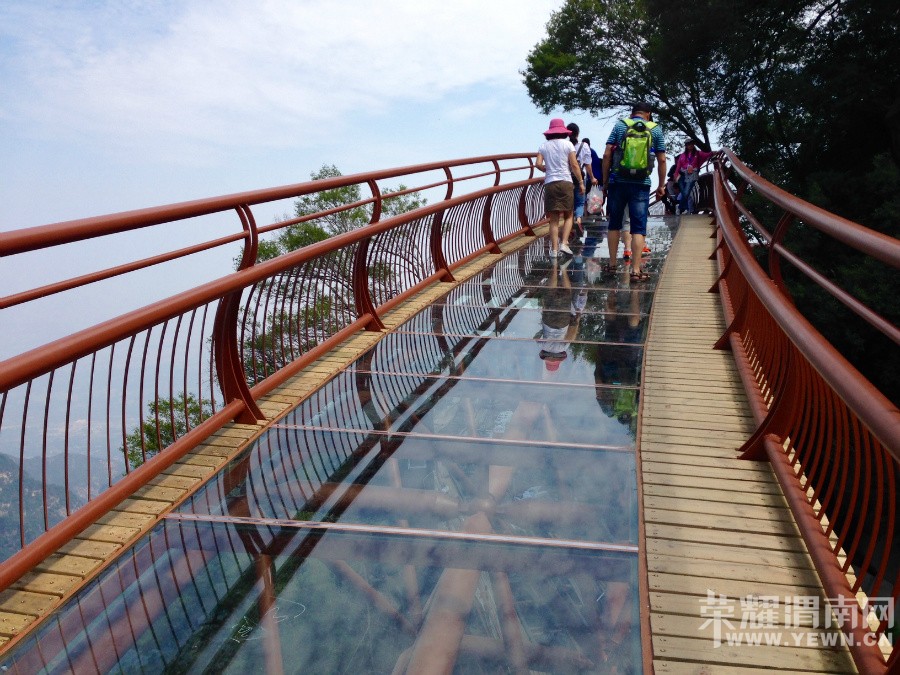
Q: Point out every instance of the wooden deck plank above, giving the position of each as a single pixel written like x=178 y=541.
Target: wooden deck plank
x=802 y=659
x=672 y=604
x=671 y=456
x=731 y=509
x=690 y=494
x=688 y=668
x=716 y=523
x=73 y=565
x=11 y=624
x=743 y=571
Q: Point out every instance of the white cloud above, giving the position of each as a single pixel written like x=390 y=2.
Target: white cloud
x=239 y=73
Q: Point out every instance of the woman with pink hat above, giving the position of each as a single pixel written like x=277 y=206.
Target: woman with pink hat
x=556 y=158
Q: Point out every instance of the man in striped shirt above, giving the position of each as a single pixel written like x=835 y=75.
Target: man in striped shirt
x=634 y=194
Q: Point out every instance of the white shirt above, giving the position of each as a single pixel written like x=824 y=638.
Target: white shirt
x=556 y=159
x=583 y=153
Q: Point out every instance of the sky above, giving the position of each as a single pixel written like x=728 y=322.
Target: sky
x=112 y=106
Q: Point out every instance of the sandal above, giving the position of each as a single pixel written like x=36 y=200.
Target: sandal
x=640 y=275
x=609 y=270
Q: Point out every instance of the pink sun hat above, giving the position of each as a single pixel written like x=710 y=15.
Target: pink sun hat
x=557 y=126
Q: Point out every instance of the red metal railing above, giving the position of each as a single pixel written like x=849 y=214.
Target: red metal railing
x=832 y=438
x=135 y=393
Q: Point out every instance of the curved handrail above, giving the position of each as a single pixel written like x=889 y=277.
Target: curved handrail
x=871 y=243
x=44 y=236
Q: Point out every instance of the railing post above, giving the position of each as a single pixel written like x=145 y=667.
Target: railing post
x=523 y=213
x=226 y=353
x=361 y=296
x=377 y=204
x=486 y=228
x=437 y=249
x=229 y=368
x=782 y=409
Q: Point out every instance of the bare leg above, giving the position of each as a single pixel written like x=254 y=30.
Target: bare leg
x=612 y=240
x=626 y=237
x=555 y=217
x=567 y=227
x=636 y=255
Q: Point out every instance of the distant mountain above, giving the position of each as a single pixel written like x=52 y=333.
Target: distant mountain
x=78 y=472
x=33 y=498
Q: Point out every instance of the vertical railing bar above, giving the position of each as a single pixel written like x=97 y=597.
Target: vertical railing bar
x=109 y=455
x=890 y=530
x=823 y=410
x=187 y=367
x=90 y=422
x=66 y=438
x=140 y=409
x=876 y=518
x=143 y=372
x=211 y=364
x=255 y=294
x=22 y=463
x=184 y=393
x=869 y=469
x=842 y=444
x=159 y=351
x=44 y=450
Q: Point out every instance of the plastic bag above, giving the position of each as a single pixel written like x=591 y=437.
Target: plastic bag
x=594 y=202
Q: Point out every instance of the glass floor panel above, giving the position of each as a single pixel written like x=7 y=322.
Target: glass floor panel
x=467 y=408
x=462 y=498
x=214 y=596
x=591 y=364
x=430 y=484
x=596 y=300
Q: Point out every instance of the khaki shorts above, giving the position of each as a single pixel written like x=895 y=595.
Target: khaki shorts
x=559 y=196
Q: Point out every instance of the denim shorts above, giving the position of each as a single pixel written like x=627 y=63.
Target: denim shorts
x=579 y=202
x=633 y=196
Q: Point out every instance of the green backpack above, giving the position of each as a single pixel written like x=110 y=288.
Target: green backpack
x=633 y=158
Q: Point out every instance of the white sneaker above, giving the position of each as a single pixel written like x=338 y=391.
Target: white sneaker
x=552 y=253
x=564 y=248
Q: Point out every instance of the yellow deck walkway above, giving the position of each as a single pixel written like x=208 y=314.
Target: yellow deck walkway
x=714 y=523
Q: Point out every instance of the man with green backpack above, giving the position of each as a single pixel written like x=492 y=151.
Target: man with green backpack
x=635 y=144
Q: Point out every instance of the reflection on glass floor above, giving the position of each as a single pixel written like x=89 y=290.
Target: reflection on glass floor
x=462 y=498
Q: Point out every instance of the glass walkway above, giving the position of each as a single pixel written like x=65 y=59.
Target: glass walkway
x=461 y=498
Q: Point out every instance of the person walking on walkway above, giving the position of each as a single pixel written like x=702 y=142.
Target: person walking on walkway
x=556 y=158
x=583 y=157
x=627 y=179
x=687 y=171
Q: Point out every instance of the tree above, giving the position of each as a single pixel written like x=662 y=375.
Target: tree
x=166 y=421
x=602 y=55
x=299 y=308
x=298 y=235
